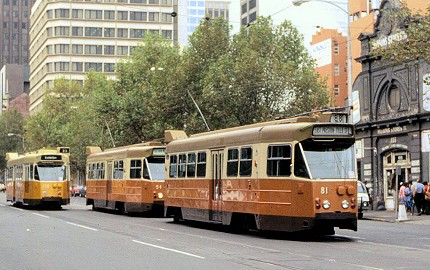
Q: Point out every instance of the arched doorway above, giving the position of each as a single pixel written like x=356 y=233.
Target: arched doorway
x=391 y=160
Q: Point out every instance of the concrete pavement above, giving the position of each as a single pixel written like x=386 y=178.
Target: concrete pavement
x=390 y=216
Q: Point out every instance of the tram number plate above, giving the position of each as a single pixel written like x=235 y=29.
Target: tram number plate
x=331 y=130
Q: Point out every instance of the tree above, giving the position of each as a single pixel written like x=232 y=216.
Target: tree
x=11 y=122
x=266 y=73
x=410 y=31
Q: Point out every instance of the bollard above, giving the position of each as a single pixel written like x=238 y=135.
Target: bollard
x=402 y=213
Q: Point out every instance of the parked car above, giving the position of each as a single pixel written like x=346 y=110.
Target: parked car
x=362 y=198
x=83 y=191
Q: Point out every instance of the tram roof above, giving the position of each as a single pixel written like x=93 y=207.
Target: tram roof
x=15 y=158
x=293 y=129
x=128 y=151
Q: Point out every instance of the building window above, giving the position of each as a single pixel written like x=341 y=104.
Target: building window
x=138 y=16
x=336 y=89
x=252 y=17
x=93 y=66
x=336 y=69
x=122 y=50
x=109 y=32
x=109 y=67
x=93 y=49
x=244 y=8
x=93 y=14
x=109 y=15
x=252 y=4
x=154 y=16
x=62 y=13
x=77 y=49
x=122 y=15
x=137 y=33
x=77 y=31
x=93 y=31
x=166 y=17
x=166 y=34
x=77 y=66
x=62 y=48
x=61 y=31
x=109 y=50
x=77 y=13
x=336 y=48
x=122 y=32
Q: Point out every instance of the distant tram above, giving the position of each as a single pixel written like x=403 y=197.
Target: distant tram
x=129 y=178
x=39 y=178
x=290 y=175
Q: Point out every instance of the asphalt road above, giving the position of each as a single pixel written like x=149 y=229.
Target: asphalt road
x=79 y=238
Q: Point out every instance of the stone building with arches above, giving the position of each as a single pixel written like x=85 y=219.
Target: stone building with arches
x=393 y=103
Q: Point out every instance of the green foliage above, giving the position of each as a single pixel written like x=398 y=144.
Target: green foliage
x=414 y=44
x=11 y=122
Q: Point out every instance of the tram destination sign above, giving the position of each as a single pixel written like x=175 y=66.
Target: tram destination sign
x=51 y=157
x=332 y=130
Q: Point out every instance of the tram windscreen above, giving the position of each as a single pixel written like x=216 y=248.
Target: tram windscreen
x=154 y=168
x=50 y=172
x=329 y=160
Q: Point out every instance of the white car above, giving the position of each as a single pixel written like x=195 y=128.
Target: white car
x=362 y=198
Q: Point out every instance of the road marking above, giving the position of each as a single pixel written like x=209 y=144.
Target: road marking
x=82 y=226
x=40 y=215
x=169 y=249
x=19 y=209
x=347 y=236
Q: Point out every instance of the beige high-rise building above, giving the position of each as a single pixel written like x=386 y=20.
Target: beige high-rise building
x=69 y=38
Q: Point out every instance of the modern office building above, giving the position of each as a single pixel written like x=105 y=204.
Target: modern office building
x=69 y=38
x=329 y=48
x=191 y=12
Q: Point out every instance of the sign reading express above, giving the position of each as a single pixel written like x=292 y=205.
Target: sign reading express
x=331 y=130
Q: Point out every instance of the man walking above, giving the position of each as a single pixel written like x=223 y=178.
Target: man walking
x=419 y=196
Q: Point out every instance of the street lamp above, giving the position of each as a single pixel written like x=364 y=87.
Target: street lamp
x=348 y=42
x=20 y=136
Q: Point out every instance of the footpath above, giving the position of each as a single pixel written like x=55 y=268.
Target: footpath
x=390 y=216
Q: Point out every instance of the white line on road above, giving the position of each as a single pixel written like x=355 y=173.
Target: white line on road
x=169 y=249
x=82 y=226
x=40 y=215
x=348 y=236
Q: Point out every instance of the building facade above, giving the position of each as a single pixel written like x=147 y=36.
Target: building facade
x=14 y=82
x=69 y=38
x=329 y=49
x=393 y=133
x=14 y=31
x=249 y=11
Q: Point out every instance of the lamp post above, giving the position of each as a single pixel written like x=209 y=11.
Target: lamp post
x=349 y=55
x=20 y=136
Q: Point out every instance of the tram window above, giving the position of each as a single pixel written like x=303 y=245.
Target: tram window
x=245 y=161
x=36 y=173
x=232 y=162
x=182 y=165
x=146 y=171
x=102 y=171
x=299 y=164
x=279 y=160
x=201 y=164
x=191 y=165
x=136 y=169
x=173 y=168
x=118 y=169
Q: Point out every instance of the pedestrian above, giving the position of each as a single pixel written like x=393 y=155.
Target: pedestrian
x=427 y=199
x=419 y=196
x=409 y=198
x=402 y=196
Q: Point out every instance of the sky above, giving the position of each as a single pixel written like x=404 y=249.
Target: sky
x=307 y=17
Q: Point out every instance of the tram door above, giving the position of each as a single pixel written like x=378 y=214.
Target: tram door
x=108 y=181
x=217 y=159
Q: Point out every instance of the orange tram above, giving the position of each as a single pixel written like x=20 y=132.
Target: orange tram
x=290 y=175
x=39 y=178
x=129 y=178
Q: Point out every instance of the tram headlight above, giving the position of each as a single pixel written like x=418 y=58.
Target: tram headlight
x=326 y=204
x=345 y=204
x=160 y=195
